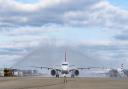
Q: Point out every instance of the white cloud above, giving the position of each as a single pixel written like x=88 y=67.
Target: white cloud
x=69 y=12
x=24 y=25
x=8 y=60
x=23 y=37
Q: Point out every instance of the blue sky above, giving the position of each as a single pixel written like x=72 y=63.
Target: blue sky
x=28 y=1
x=120 y=3
x=95 y=26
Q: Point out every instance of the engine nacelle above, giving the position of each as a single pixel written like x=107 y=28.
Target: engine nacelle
x=53 y=72
x=76 y=72
x=113 y=73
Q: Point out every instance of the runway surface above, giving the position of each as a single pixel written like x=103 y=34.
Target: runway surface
x=53 y=83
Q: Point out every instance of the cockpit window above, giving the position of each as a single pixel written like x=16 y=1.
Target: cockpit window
x=64 y=64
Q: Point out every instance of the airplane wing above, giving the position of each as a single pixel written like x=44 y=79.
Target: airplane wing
x=48 y=68
x=91 y=68
x=88 y=68
x=83 y=68
x=41 y=67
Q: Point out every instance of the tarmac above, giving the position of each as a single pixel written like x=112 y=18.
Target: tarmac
x=62 y=83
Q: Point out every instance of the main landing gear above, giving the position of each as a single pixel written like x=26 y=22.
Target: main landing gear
x=72 y=76
x=57 y=76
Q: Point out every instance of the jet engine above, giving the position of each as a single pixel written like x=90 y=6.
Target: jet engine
x=76 y=72
x=53 y=72
x=113 y=73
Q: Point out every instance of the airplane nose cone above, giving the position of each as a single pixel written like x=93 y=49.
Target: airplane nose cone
x=65 y=68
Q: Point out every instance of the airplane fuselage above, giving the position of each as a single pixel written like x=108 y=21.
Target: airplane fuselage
x=65 y=68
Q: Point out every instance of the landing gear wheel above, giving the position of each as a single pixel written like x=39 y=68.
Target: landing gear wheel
x=57 y=76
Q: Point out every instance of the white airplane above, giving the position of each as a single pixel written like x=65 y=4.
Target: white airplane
x=65 y=69
x=112 y=72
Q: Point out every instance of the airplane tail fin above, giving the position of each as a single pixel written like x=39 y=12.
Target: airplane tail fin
x=122 y=66
x=65 y=57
